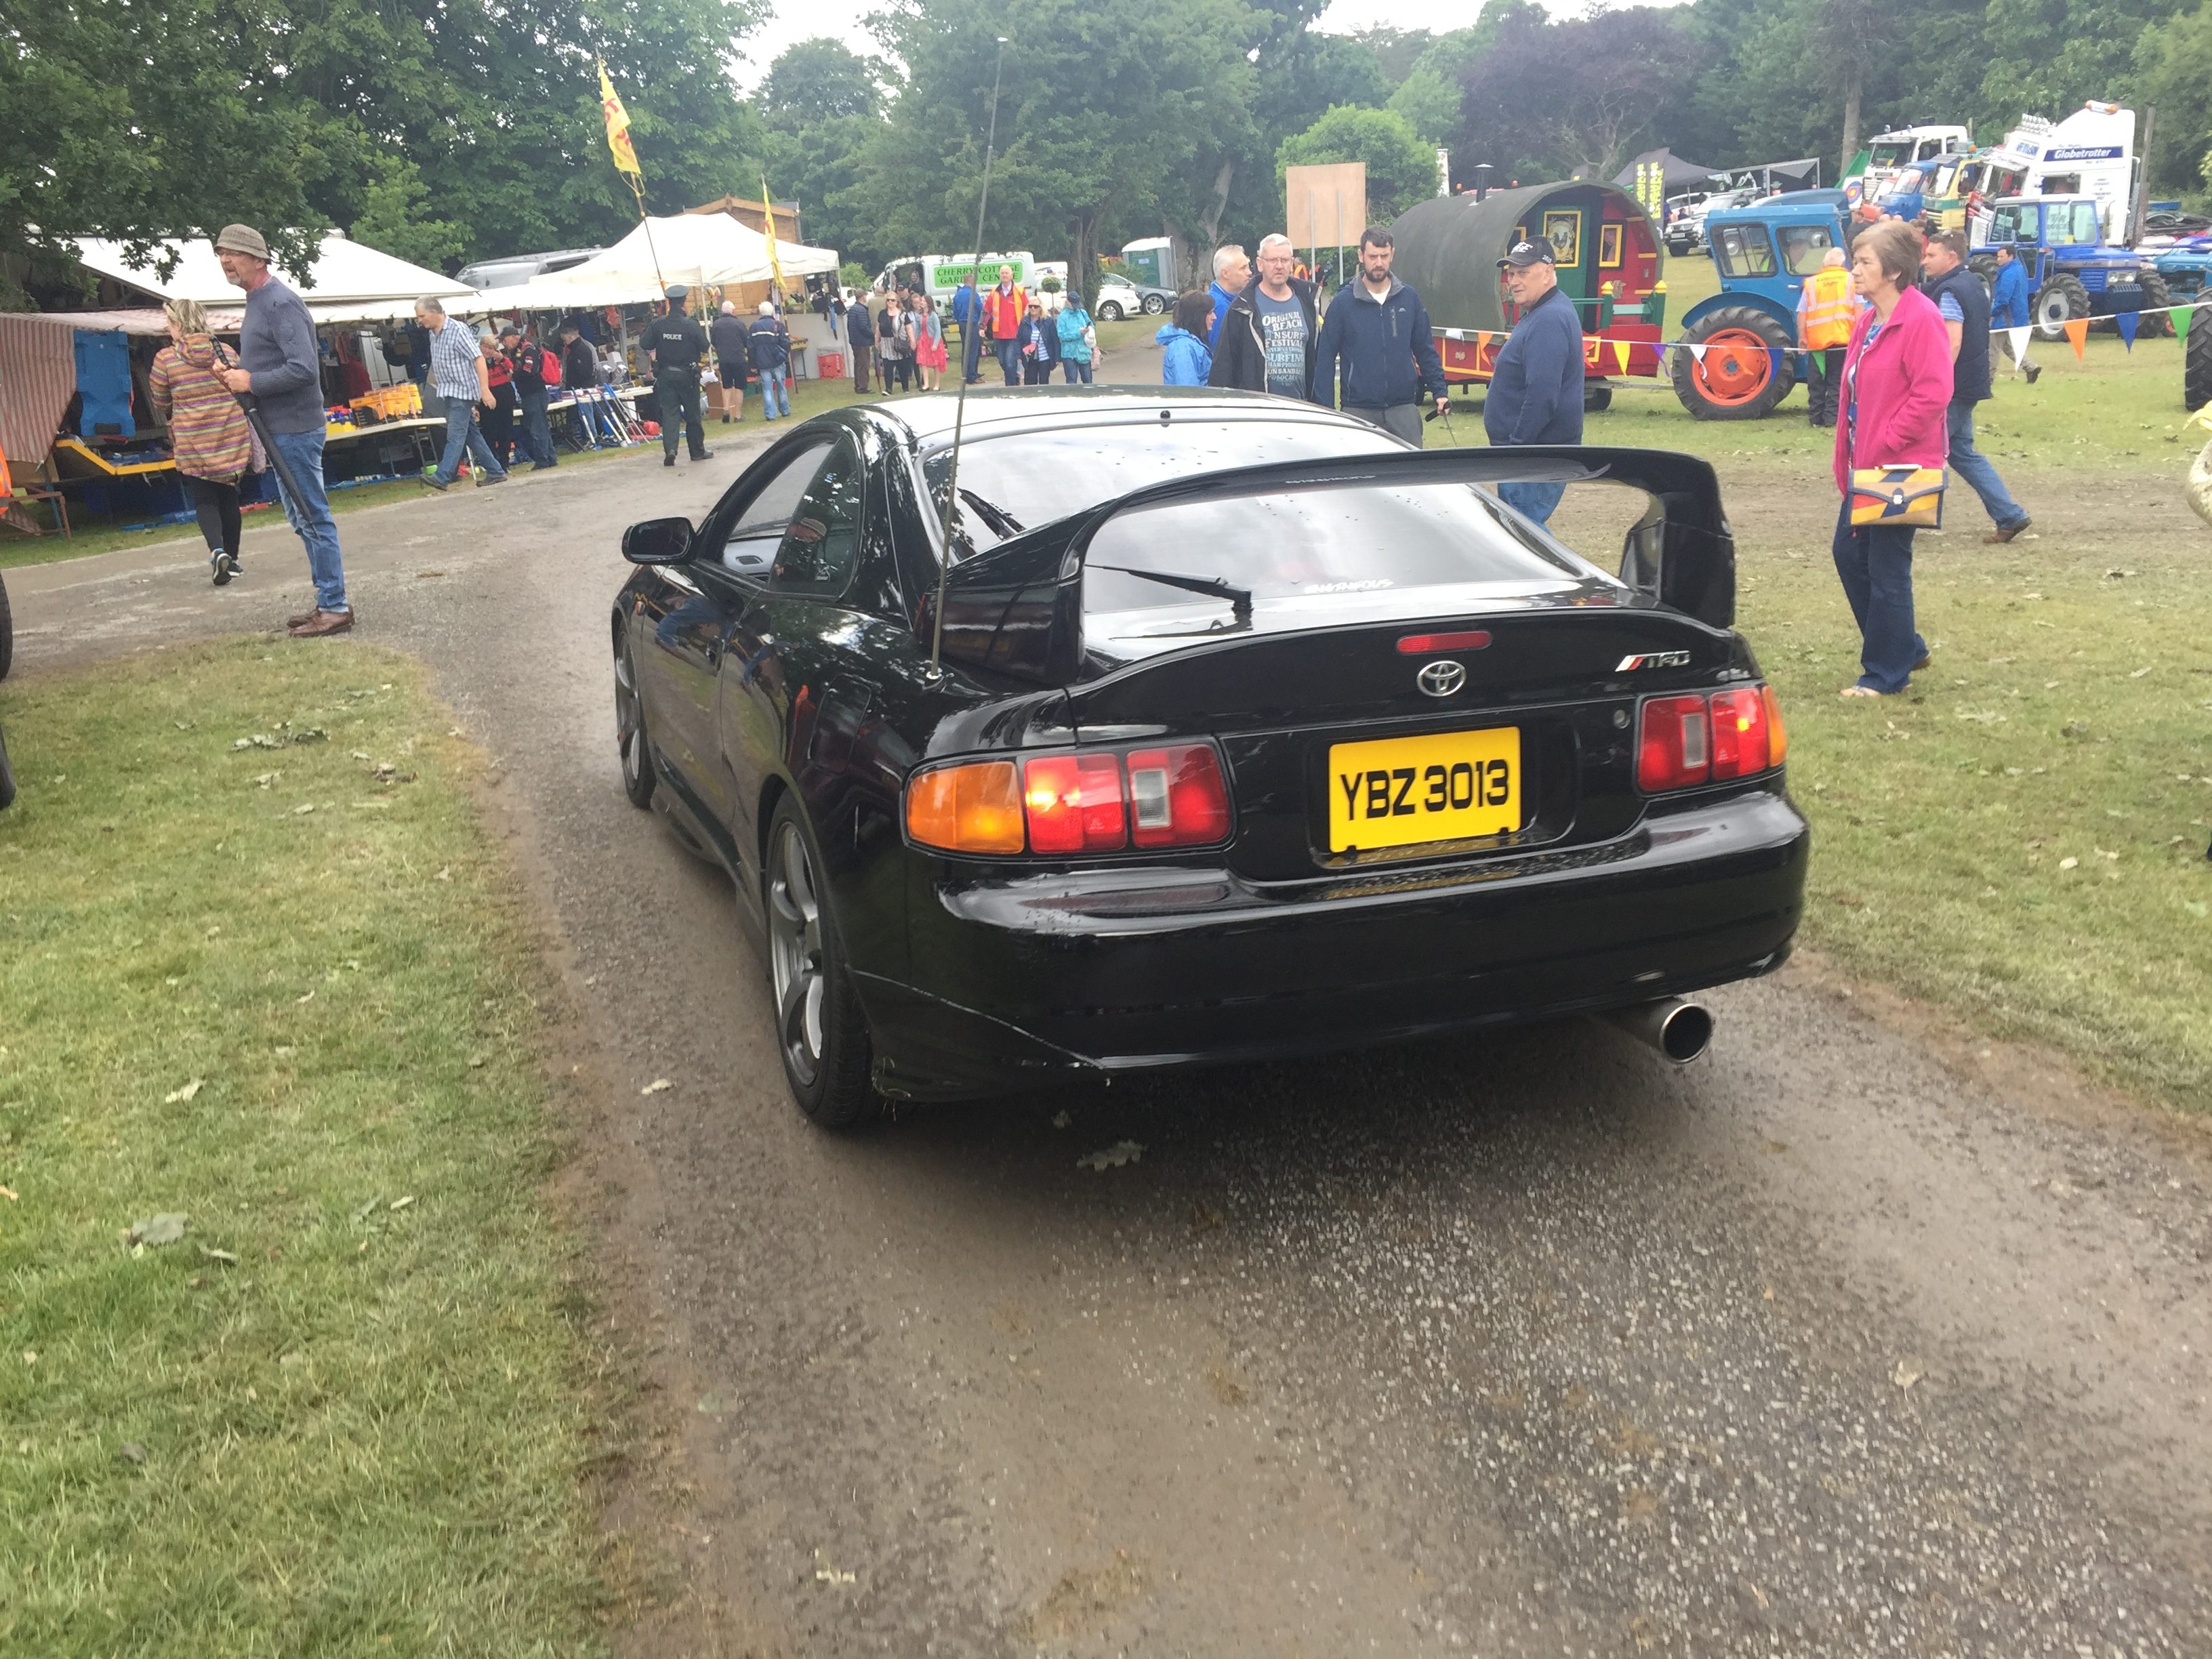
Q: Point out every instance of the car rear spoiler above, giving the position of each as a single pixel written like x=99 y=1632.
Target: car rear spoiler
x=1019 y=609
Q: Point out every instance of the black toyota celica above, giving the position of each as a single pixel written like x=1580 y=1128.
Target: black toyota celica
x=1243 y=730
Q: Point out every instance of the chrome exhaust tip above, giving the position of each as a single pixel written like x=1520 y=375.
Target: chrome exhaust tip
x=1678 y=1027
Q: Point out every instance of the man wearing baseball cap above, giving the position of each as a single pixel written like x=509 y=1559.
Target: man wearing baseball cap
x=675 y=342
x=1536 y=383
x=280 y=370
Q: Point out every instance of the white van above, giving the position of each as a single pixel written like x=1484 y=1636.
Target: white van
x=941 y=273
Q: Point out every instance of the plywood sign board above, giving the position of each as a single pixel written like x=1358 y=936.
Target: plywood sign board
x=1326 y=204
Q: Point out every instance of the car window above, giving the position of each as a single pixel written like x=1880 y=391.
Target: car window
x=2012 y=224
x=756 y=523
x=1027 y=480
x=1744 y=251
x=1804 y=247
x=822 y=540
x=1314 y=547
x=2074 y=224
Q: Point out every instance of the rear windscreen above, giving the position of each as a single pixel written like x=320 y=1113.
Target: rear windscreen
x=1030 y=479
x=1310 y=543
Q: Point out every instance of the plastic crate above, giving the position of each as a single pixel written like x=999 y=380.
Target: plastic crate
x=393 y=403
x=829 y=365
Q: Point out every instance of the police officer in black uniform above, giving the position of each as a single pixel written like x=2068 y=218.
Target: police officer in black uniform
x=675 y=342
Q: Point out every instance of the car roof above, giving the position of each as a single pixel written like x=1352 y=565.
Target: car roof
x=997 y=411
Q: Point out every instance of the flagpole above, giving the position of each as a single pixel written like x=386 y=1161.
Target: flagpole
x=637 y=189
x=625 y=154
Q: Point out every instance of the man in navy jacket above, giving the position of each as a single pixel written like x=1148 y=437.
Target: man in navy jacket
x=1535 y=393
x=1379 y=329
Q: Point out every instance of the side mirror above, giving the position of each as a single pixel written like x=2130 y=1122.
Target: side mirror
x=657 y=541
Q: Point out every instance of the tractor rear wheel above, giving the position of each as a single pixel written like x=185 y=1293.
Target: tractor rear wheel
x=2062 y=301
x=2197 y=361
x=1743 y=371
x=2157 y=319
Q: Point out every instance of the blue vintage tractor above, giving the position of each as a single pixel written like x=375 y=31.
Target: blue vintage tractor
x=1764 y=252
x=2072 y=271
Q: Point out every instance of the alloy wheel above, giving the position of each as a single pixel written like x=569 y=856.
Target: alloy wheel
x=794 y=925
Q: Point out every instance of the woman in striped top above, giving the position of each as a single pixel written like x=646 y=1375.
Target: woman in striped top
x=209 y=435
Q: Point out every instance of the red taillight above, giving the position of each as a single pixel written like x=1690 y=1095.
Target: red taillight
x=1177 y=796
x=1427 y=645
x=1092 y=801
x=1739 y=723
x=1682 y=741
x=1075 y=804
x=1672 y=747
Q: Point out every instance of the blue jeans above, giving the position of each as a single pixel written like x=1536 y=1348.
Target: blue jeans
x=1969 y=463
x=971 y=350
x=1532 y=501
x=537 y=431
x=1874 y=564
x=1010 y=360
x=310 y=513
x=1077 y=373
x=462 y=434
x=776 y=391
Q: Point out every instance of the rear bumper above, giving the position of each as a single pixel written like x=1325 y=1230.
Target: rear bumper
x=1094 y=972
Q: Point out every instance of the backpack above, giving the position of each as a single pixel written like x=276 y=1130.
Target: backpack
x=549 y=369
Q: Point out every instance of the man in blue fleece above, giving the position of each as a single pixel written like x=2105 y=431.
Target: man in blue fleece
x=1379 y=329
x=1536 y=386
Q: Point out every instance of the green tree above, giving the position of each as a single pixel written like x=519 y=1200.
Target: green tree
x=1400 y=170
x=1428 y=103
x=1106 y=105
x=1545 y=99
x=1397 y=50
x=392 y=218
x=2173 y=71
x=817 y=81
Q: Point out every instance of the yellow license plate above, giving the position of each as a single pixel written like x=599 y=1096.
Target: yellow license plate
x=1396 y=791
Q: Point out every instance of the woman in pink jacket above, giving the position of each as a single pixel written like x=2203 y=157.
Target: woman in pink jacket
x=1897 y=389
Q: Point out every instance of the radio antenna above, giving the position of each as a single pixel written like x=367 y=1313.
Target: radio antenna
x=960 y=398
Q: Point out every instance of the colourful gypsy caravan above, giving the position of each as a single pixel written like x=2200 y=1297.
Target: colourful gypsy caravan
x=1609 y=263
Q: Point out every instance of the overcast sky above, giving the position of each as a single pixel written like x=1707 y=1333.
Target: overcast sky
x=802 y=20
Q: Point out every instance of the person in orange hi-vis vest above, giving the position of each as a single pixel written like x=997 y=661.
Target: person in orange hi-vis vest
x=1005 y=305
x=1826 y=308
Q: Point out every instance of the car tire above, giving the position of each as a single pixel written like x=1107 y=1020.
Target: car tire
x=632 y=746
x=1109 y=311
x=1154 y=304
x=2197 y=361
x=1736 y=377
x=6 y=634
x=2061 y=299
x=1597 y=397
x=821 y=1032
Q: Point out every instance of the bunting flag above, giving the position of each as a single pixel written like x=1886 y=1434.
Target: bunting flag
x=2077 y=330
x=768 y=218
x=2182 y=314
x=1481 y=342
x=1620 y=349
x=618 y=131
x=2019 y=336
x=2128 y=322
x=1697 y=351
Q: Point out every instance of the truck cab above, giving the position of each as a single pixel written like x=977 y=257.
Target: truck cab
x=1889 y=153
x=1742 y=357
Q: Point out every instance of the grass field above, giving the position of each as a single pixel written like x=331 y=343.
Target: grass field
x=262 y=973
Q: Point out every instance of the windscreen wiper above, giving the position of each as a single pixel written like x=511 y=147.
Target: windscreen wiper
x=1240 y=599
x=1002 y=523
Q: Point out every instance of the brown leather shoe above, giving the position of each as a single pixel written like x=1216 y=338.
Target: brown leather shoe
x=322 y=622
x=2004 y=533
x=300 y=621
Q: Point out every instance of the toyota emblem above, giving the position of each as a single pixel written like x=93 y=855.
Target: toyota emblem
x=1440 y=678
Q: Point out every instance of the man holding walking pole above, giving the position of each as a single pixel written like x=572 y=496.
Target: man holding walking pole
x=279 y=380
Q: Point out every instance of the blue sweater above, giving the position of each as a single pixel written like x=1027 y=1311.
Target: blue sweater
x=1388 y=350
x=1184 y=359
x=277 y=346
x=1535 y=394
x=2009 y=294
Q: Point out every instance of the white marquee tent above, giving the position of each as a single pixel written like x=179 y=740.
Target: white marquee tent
x=700 y=249
x=349 y=284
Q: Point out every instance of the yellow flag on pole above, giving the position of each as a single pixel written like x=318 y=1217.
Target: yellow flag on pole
x=618 y=131
x=767 y=221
